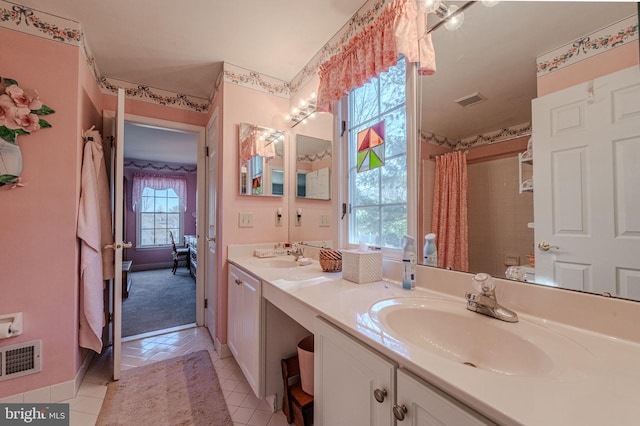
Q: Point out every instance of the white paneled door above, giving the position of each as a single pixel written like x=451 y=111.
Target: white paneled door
x=211 y=269
x=586 y=151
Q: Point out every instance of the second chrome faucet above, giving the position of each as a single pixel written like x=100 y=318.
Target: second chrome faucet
x=485 y=302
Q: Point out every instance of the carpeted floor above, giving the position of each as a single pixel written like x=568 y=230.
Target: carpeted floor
x=158 y=300
x=178 y=391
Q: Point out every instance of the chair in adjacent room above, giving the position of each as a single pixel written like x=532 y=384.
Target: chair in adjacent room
x=179 y=253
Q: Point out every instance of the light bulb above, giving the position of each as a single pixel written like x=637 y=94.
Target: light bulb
x=295 y=111
x=287 y=117
x=430 y=6
x=312 y=95
x=490 y=3
x=303 y=103
x=453 y=20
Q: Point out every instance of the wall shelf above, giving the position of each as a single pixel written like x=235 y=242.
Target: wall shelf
x=525 y=172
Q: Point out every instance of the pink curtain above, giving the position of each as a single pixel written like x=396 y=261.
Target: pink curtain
x=373 y=50
x=252 y=145
x=449 y=214
x=159 y=182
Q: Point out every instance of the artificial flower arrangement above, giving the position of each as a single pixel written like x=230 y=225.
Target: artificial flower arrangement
x=20 y=112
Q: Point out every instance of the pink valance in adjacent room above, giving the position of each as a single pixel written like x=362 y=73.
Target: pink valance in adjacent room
x=373 y=50
x=159 y=182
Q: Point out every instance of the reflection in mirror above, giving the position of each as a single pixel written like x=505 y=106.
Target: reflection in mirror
x=489 y=65
x=313 y=168
x=262 y=160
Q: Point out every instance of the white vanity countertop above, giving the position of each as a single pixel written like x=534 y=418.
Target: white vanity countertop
x=597 y=383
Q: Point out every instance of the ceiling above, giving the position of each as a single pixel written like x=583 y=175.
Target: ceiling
x=494 y=53
x=180 y=47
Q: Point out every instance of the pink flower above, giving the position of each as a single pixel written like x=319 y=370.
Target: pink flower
x=27 y=98
x=6 y=107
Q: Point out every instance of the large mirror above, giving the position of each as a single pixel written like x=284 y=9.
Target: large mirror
x=492 y=58
x=262 y=159
x=313 y=168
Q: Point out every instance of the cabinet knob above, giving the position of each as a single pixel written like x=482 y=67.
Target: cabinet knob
x=380 y=395
x=399 y=411
x=238 y=281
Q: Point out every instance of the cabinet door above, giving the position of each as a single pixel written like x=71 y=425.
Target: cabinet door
x=233 y=306
x=244 y=332
x=250 y=331
x=428 y=406
x=346 y=376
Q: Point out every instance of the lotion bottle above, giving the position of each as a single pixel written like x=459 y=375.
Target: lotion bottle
x=408 y=262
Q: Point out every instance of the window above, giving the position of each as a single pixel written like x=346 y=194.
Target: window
x=159 y=212
x=378 y=196
x=159 y=202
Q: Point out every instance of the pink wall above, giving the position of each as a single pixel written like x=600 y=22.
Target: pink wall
x=319 y=126
x=39 y=254
x=146 y=259
x=147 y=109
x=605 y=63
x=243 y=105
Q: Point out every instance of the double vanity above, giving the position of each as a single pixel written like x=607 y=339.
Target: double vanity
x=388 y=356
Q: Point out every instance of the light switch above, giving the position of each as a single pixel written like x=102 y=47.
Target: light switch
x=324 y=220
x=245 y=220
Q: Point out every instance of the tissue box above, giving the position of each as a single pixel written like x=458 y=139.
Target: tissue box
x=362 y=266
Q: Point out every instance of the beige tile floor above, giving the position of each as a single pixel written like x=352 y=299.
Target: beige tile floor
x=244 y=407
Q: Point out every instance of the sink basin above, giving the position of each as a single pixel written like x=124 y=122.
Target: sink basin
x=448 y=329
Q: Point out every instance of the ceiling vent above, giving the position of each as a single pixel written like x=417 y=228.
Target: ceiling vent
x=471 y=99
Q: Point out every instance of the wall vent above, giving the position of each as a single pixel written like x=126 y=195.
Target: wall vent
x=20 y=359
x=471 y=99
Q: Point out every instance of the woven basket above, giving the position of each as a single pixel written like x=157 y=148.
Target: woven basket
x=330 y=260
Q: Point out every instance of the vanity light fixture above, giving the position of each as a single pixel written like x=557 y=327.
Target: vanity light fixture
x=451 y=16
x=306 y=109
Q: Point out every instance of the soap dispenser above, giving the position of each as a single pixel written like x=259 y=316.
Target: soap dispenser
x=408 y=262
x=430 y=251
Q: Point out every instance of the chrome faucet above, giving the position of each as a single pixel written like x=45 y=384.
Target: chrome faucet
x=486 y=303
x=296 y=251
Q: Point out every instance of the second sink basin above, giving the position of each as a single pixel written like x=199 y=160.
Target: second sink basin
x=448 y=329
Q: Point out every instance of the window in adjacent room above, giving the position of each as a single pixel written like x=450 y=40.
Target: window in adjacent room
x=158 y=212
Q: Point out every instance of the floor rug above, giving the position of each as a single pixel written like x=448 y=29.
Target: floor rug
x=178 y=391
x=157 y=300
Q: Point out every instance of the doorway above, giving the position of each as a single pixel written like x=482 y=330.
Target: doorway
x=160 y=211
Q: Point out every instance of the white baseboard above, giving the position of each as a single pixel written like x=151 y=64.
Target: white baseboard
x=222 y=349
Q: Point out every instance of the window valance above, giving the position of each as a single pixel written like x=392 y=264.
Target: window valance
x=373 y=50
x=159 y=182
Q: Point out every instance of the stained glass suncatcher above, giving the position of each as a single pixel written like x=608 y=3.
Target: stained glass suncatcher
x=371 y=148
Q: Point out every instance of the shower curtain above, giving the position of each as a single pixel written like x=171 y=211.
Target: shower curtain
x=449 y=214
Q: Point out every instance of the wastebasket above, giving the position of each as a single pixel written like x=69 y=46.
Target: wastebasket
x=305 y=359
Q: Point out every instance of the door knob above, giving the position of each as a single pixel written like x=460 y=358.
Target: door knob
x=544 y=246
x=380 y=395
x=127 y=245
x=211 y=239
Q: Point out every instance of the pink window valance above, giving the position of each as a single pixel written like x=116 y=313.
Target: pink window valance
x=373 y=50
x=252 y=144
x=159 y=182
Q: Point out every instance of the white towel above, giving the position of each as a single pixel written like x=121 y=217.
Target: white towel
x=94 y=231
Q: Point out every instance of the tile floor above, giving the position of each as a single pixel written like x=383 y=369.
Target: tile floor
x=244 y=407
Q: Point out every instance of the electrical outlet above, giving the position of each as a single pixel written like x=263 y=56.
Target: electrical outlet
x=245 y=220
x=324 y=219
